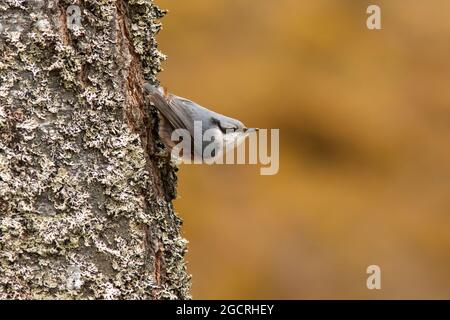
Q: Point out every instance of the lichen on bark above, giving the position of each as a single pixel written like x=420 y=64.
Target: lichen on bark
x=85 y=197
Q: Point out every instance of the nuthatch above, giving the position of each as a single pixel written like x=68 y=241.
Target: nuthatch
x=180 y=113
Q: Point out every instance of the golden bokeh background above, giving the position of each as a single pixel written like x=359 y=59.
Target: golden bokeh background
x=364 y=119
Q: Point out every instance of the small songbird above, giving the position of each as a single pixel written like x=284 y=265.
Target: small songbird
x=180 y=113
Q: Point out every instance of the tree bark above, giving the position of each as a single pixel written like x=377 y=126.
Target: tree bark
x=85 y=188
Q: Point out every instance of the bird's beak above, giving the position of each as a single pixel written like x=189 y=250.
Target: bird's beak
x=250 y=130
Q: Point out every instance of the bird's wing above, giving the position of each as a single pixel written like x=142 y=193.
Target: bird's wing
x=170 y=108
x=182 y=112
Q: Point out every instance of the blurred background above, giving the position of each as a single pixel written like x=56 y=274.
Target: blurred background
x=364 y=119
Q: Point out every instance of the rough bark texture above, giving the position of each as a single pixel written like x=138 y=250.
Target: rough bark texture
x=85 y=193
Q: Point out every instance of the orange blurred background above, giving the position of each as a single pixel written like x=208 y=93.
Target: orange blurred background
x=364 y=119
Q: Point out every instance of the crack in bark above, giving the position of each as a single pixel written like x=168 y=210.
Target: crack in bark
x=138 y=117
x=158 y=259
x=63 y=31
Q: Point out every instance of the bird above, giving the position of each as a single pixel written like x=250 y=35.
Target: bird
x=179 y=114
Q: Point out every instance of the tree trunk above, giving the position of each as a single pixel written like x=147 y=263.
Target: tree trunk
x=85 y=191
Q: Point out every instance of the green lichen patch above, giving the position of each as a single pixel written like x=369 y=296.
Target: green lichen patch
x=83 y=204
